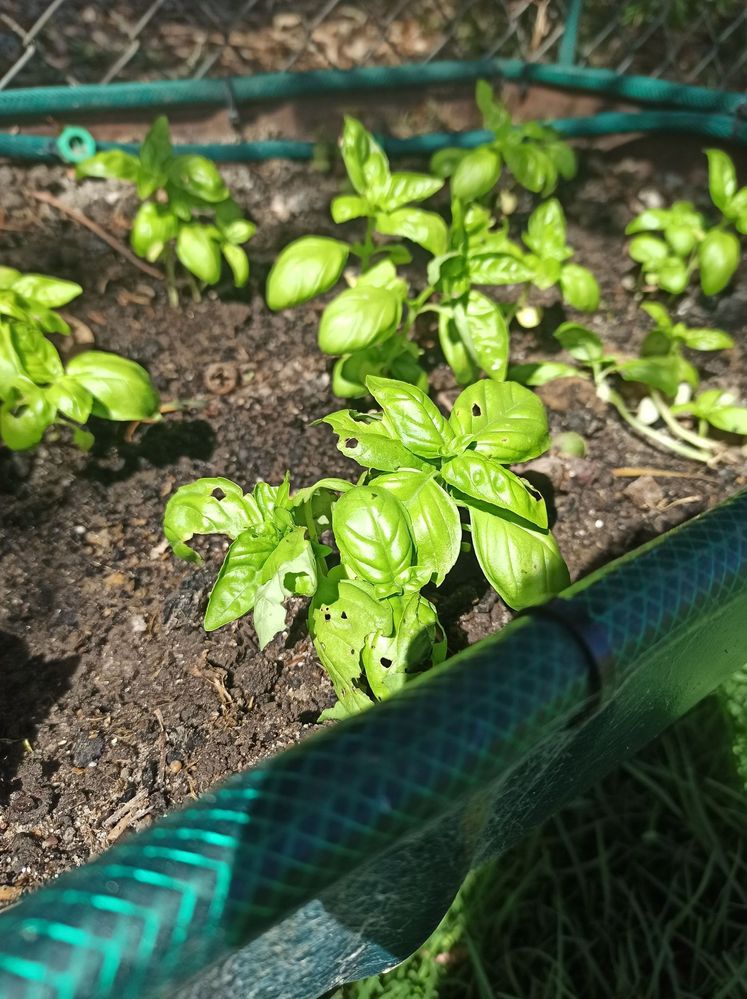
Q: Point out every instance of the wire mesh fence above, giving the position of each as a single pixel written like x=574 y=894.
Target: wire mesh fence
x=74 y=41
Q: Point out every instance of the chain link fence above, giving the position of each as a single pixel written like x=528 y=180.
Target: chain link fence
x=73 y=41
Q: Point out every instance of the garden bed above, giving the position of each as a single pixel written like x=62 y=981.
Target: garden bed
x=117 y=706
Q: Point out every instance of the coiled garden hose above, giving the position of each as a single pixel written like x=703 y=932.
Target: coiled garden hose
x=336 y=859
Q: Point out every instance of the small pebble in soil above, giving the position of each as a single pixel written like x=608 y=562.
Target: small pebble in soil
x=645 y=492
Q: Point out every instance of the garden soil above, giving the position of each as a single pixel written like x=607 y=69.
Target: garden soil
x=115 y=705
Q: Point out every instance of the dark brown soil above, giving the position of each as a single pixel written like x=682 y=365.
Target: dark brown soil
x=116 y=705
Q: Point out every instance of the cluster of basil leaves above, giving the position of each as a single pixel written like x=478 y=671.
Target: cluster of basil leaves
x=397 y=531
x=368 y=325
x=37 y=390
x=187 y=211
x=687 y=244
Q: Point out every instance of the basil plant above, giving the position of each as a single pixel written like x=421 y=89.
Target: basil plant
x=187 y=213
x=534 y=154
x=369 y=325
x=685 y=243
x=669 y=413
x=427 y=481
x=37 y=390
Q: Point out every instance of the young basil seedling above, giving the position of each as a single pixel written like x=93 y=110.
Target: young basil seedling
x=395 y=532
x=187 y=212
x=667 y=376
x=686 y=243
x=534 y=154
x=37 y=390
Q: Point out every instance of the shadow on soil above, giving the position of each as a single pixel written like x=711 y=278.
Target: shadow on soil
x=31 y=685
x=160 y=445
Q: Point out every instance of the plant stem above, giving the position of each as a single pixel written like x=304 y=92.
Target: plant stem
x=368 y=247
x=194 y=288
x=660 y=439
x=676 y=428
x=168 y=263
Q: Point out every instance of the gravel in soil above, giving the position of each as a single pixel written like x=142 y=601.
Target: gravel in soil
x=116 y=705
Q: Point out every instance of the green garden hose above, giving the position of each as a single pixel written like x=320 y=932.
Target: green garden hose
x=715 y=126
x=335 y=859
x=45 y=101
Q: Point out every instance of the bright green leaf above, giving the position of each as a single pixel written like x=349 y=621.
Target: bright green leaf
x=424 y=228
x=524 y=566
x=484 y=479
x=358 y=317
x=416 y=420
x=505 y=420
x=307 y=267
x=121 y=389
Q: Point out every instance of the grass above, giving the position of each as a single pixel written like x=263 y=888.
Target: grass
x=639 y=888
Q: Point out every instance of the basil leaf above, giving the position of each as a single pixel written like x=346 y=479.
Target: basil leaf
x=504 y=420
x=347 y=207
x=405 y=187
x=524 y=566
x=8 y=277
x=416 y=420
x=305 y=268
x=445 y=161
x=722 y=179
x=663 y=373
x=546 y=231
x=112 y=163
x=121 y=389
x=236 y=585
x=290 y=569
x=413 y=642
x=49 y=292
x=372 y=534
x=485 y=331
x=498 y=269
x=495 y=115
x=38 y=358
x=358 y=317
x=24 y=416
x=530 y=166
x=706 y=339
x=365 y=161
x=718 y=259
x=71 y=399
x=541 y=372
x=648 y=250
x=579 y=287
x=682 y=238
x=434 y=518
x=199 y=253
x=207 y=506
x=369 y=443
x=455 y=350
x=199 y=177
x=718 y=408
x=585 y=345
x=424 y=228
x=670 y=275
x=343 y=613
x=483 y=479
x=476 y=174
x=238 y=262
x=651 y=220
x=153 y=226
x=155 y=153
x=658 y=313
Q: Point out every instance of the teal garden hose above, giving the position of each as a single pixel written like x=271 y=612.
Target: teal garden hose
x=336 y=859
x=713 y=113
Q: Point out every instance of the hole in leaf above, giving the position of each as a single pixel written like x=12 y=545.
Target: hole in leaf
x=344 y=616
x=386 y=663
x=328 y=616
x=218 y=493
x=476 y=411
x=351 y=442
